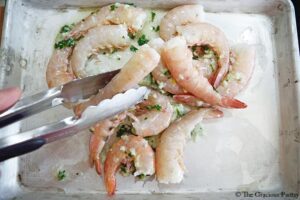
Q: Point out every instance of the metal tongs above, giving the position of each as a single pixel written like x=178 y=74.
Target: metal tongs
x=72 y=92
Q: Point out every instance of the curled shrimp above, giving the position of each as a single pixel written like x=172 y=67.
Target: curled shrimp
x=243 y=60
x=178 y=59
x=58 y=70
x=180 y=15
x=169 y=152
x=139 y=66
x=156 y=114
x=116 y=13
x=207 y=34
x=101 y=131
x=127 y=149
x=161 y=73
x=102 y=37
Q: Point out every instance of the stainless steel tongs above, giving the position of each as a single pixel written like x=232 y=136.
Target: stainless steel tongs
x=72 y=92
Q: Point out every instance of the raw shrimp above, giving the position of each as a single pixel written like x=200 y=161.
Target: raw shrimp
x=58 y=72
x=178 y=59
x=156 y=117
x=190 y=100
x=135 y=70
x=116 y=13
x=161 y=73
x=180 y=15
x=169 y=152
x=129 y=148
x=207 y=34
x=101 y=131
x=243 y=60
x=102 y=37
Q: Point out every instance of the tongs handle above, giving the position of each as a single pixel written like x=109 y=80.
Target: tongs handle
x=21 y=148
x=28 y=106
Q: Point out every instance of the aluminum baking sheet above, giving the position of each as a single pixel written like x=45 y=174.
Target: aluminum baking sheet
x=253 y=150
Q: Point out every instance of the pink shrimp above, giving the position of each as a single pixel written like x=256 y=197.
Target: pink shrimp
x=207 y=34
x=127 y=149
x=243 y=60
x=139 y=66
x=169 y=153
x=101 y=131
x=161 y=73
x=156 y=114
x=58 y=70
x=180 y=15
x=178 y=59
x=116 y=13
x=190 y=100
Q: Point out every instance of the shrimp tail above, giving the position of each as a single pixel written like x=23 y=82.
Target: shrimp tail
x=98 y=166
x=110 y=183
x=96 y=145
x=213 y=113
x=228 y=102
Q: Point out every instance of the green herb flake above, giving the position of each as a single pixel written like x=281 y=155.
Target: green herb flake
x=114 y=51
x=156 y=29
x=65 y=29
x=178 y=110
x=133 y=48
x=149 y=82
x=61 y=175
x=70 y=42
x=118 y=58
x=153 y=14
x=153 y=141
x=196 y=132
x=113 y=7
x=195 y=57
x=141 y=176
x=167 y=73
x=142 y=40
x=127 y=169
x=124 y=129
x=130 y=4
x=154 y=107
x=131 y=35
x=145 y=118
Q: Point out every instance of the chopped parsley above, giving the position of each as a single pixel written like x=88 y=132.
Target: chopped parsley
x=127 y=168
x=70 y=42
x=124 y=129
x=167 y=73
x=65 y=28
x=178 y=111
x=156 y=29
x=149 y=81
x=142 y=40
x=61 y=175
x=113 y=7
x=153 y=14
x=133 y=48
x=130 y=4
x=141 y=176
x=196 y=132
x=154 y=107
x=114 y=51
x=153 y=141
x=131 y=35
